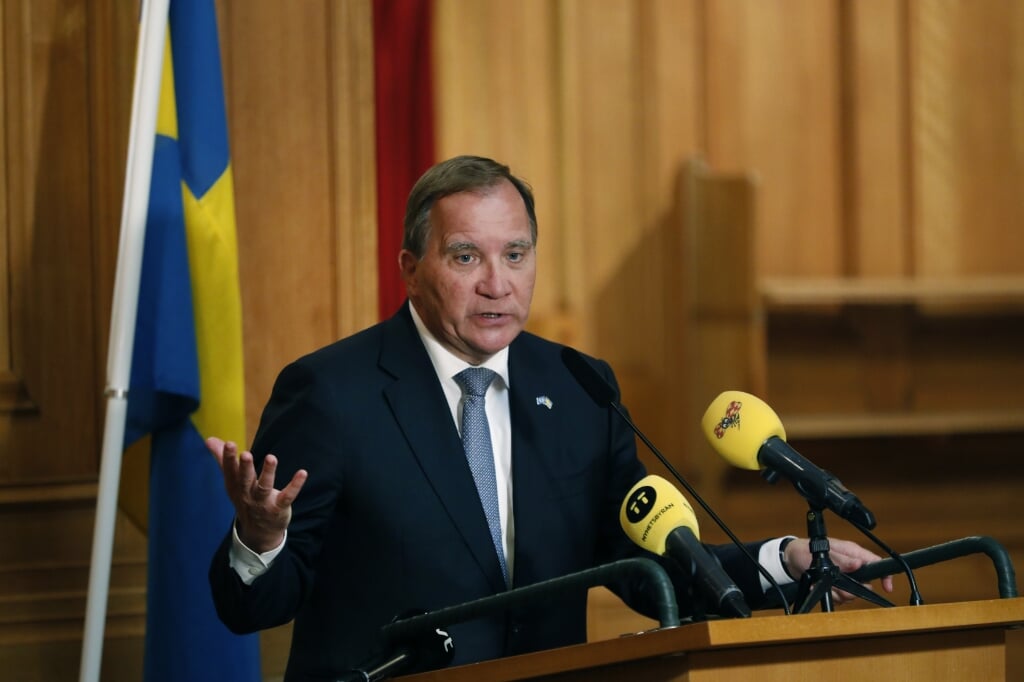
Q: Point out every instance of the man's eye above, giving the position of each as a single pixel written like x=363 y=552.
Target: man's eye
x=464 y=258
x=516 y=256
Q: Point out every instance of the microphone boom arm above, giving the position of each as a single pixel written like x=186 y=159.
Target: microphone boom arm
x=976 y=544
x=599 y=575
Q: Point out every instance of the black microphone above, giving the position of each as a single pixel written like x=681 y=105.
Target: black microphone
x=748 y=434
x=427 y=651
x=657 y=517
x=605 y=395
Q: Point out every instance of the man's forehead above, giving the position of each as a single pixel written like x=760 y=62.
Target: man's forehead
x=502 y=188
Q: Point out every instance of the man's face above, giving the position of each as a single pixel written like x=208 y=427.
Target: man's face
x=474 y=283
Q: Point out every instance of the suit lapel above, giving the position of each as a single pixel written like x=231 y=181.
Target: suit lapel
x=535 y=431
x=421 y=411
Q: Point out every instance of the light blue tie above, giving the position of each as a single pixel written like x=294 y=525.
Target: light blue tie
x=476 y=440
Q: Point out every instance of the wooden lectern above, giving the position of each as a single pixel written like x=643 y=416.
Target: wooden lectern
x=980 y=640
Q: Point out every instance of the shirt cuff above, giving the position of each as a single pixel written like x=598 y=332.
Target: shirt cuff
x=770 y=557
x=248 y=564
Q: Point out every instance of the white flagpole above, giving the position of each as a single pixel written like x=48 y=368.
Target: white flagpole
x=138 y=174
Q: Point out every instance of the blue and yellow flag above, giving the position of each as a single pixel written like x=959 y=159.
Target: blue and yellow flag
x=187 y=369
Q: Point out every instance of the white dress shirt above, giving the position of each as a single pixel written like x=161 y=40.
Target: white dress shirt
x=446 y=366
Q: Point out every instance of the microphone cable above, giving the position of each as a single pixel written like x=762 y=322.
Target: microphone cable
x=915 y=594
x=605 y=395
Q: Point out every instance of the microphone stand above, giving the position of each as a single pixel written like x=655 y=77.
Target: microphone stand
x=818 y=580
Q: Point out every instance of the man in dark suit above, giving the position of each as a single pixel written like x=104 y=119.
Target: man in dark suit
x=392 y=517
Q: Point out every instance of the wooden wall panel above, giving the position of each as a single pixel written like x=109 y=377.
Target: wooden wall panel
x=112 y=44
x=280 y=153
x=773 y=109
x=498 y=95
x=299 y=84
x=43 y=586
x=876 y=168
x=354 y=167
x=48 y=367
x=66 y=70
x=967 y=65
x=607 y=226
x=9 y=383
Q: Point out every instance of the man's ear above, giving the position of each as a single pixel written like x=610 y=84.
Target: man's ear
x=407 y=263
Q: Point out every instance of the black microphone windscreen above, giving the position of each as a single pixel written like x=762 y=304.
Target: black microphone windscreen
x=602 y=393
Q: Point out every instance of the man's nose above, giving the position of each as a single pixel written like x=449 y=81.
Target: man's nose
x=493 y=281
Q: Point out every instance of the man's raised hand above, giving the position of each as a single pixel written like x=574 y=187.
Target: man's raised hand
x=262 y=512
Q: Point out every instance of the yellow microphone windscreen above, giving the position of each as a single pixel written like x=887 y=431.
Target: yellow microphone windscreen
x=737 y=424
x=653 y=509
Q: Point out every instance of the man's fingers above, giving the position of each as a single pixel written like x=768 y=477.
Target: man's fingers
x=246 y=470
x=239 y=473
x=245 y=486
x=264 y=485
x=854 y=556
x=229 y=457
x=265 y=481
x=228 y=460
x=216 y=447
x=288 y=494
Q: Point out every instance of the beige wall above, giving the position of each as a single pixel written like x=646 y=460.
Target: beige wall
x=884 y=137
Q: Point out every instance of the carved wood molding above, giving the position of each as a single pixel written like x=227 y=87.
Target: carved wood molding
x=44 y=585
x=81 y=493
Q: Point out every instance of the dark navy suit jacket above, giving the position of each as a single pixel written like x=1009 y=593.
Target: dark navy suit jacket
x=389 y=520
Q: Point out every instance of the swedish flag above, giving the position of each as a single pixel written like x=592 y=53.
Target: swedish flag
x=187 y=369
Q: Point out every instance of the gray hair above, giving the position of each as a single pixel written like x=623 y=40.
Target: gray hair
x=458 y=174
